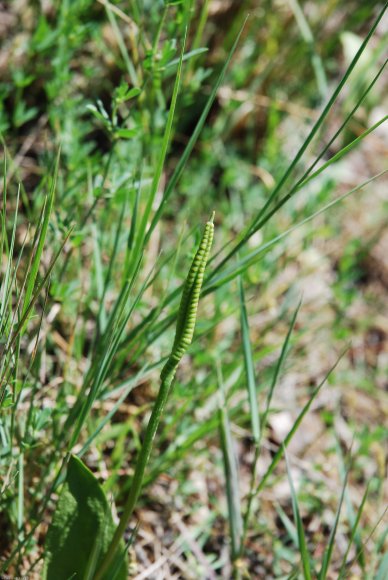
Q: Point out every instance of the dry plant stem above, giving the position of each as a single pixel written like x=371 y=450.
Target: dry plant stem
x=183 y=337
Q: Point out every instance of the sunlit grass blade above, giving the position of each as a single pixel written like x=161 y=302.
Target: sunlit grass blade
x=361 y=551
x=20 y=502
x=132 y=230
x=98 y=274
x=280 y=362
x=6 y=284
x=242 y=264
x=231 y=475
x=382 y=572
x=249 y=367
x=192 y=141
x=46 y=213
x=279 y=454
x=34 y=389
x=308 y=37
x=183 y=336
x=34 y=297
x=354 y=529
x=288 y=524
x=143 y=238
x=331 y=542
x=262 y=216
x=302 y=545
x=3 y=233
x=351 y=514
x=108 y=276
x=275 y=377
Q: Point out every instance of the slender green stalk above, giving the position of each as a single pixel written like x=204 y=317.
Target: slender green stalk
x=353 y=532
x=301 y=537
x=231 y=470
x=258 y=446
x=184 y=334
x=307 y=35
x=264 y=214
x=46 y=213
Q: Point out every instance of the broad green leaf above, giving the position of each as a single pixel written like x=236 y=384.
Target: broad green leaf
x=81 y=530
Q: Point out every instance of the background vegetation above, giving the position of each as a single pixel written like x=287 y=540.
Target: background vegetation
x=124 y=125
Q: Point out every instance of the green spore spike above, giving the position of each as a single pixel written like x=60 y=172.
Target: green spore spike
x=189 y=302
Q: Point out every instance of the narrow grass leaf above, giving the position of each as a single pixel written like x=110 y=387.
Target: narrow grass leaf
x=121 y=43
x=275 y=377
x=231 y=474
x=163 y=153
x=193 y=139
x=259 y=220
x=278 y=455
x=241 y=265
x=288 y=524
x=351 y=514
x=330 y=547
x=47 y=209
x=184 y=333
x=305 y=556
x=280 y=362
x=342 y=571
x=249 y=366
x=308 y=37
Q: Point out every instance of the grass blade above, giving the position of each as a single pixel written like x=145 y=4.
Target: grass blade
x=163 y=154
x=353 y=532
x=304 y=554
x=308 y=37
x=193 y=139
x=278 y=455
x=275 y=377
x=249 y=259
x=231 y=474
x=184 y=333
x=330 y=546
x=249 y=367
x=48 y=206
x=259 y=220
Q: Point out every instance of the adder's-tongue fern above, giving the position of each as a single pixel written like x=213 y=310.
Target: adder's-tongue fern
x=184 y=333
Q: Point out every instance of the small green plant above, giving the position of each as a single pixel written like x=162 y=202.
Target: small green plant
x=81 y=539
x=184 y=334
